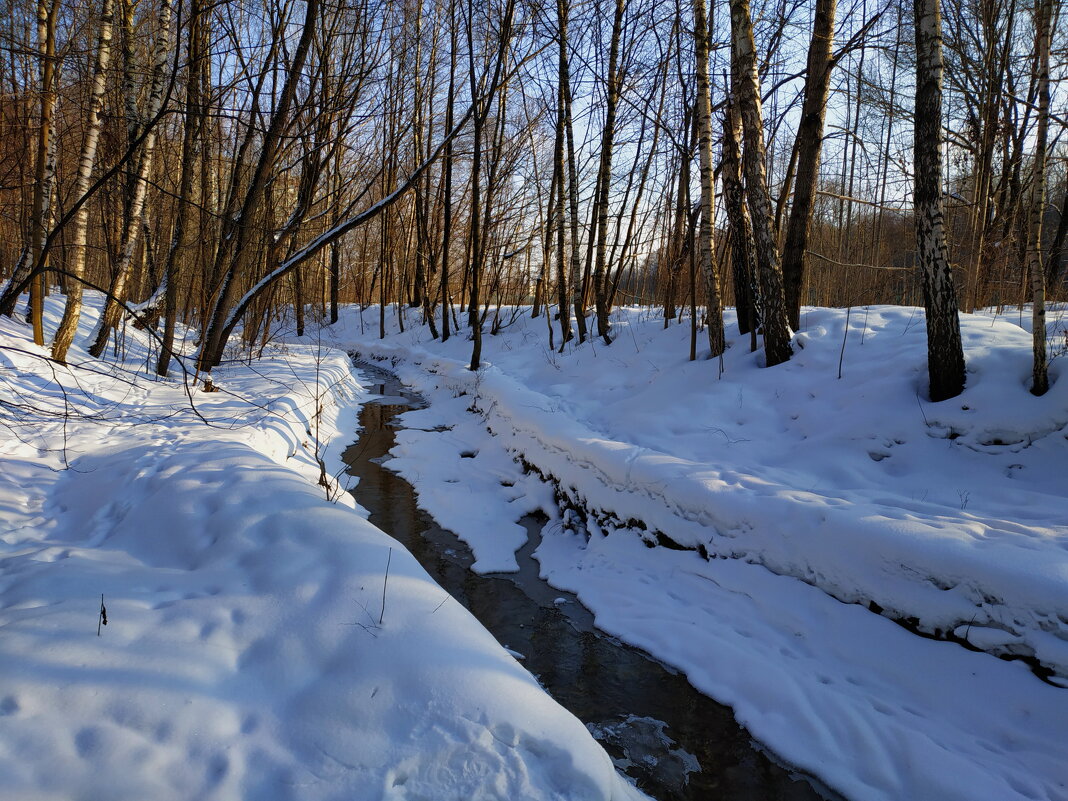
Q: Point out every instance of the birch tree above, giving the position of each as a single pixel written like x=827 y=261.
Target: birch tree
x=68 y=326
x=45 y=169
x=604 y=173
x=945 y=354
x=706 y=245
x=777 y=347
x=109 y=318
x=1043 y=14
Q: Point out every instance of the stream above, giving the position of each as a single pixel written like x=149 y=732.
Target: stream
x=675 y=743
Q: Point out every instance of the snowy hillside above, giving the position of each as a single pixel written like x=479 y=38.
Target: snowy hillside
x=247 y=653
x=788 y=491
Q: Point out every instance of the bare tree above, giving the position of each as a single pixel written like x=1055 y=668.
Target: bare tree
x=45 y=167
x=747 y=95
x=1043 y=14
x=945 y=354
x=109 y=318
x=807 y=147
x=706 y=245
x=68 y=326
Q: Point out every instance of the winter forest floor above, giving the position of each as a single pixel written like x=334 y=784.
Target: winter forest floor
x=838 y=560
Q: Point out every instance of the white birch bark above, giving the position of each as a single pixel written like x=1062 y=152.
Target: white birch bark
x=68 y=326
x=777 y=347
x=1043 y=12
x=706 y=245
x=109 y=318
x=945 y=354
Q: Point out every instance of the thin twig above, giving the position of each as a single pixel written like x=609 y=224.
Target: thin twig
x=385 y=581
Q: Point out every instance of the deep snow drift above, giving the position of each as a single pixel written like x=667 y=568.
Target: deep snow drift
x=801 y=501
x=247 y=653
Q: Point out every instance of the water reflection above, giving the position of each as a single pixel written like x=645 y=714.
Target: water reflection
x=677 y=744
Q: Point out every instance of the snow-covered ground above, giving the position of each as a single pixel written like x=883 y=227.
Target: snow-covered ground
x=253 y=649
x=801 y=501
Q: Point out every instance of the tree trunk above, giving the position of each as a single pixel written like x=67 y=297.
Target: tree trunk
x=559 y=165
x=192 y=146
x=777 y=347
x=743 y=260
x=109 y=318
x=45 y=160
x=809 y=141
x=68 y=326
x=575 y=277
x=945 y=354
x=214 y=337
x=1043 y=13
x=446 y=225
x=706 y=244
x=604 y=174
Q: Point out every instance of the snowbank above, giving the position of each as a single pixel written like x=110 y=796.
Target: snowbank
x=248 y=653
x=951 y=516
x=814 y=490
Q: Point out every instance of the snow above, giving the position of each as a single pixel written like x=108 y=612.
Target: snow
x=793 y=502
x=247 y=654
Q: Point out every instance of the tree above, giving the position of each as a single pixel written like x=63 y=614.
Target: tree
x=68 y=326
x=604 y=174
x=945 y=354
x=743 y=260
x=45 y=169
x=747 y=95
x=109 y=318
x=808 y=144
x=1043 y=14
x=706 y=245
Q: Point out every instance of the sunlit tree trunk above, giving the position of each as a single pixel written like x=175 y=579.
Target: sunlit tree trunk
x=604 y=173
x=236 y=252
x=68 y=326
x=109 y=318
x=945 y=354
x=706 y=244
x=743 y=260
x=45 y=168
x=777 y=347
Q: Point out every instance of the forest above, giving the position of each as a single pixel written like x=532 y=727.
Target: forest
x=600 y=401
x=220 y=166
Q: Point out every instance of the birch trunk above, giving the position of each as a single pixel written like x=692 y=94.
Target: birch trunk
x=446 y=225
x=577 y=289
x=604 y=174
x=1043 y=13
x=706 y=244
x=945 y=354
x=747 y=94
x=45 y=160
x=109 y=318
x=562 y=79
x=68 y=326
x=743 y=260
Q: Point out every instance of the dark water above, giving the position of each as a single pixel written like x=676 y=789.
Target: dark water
x=674 y=742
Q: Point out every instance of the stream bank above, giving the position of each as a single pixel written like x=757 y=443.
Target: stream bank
x=675 y=743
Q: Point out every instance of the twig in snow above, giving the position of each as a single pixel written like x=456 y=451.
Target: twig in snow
x=845 y=335
x=102 y=618
x=385 y=581
x=925 y=420
x=730 y=440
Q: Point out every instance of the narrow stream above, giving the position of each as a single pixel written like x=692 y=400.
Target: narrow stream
x=674 y=742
